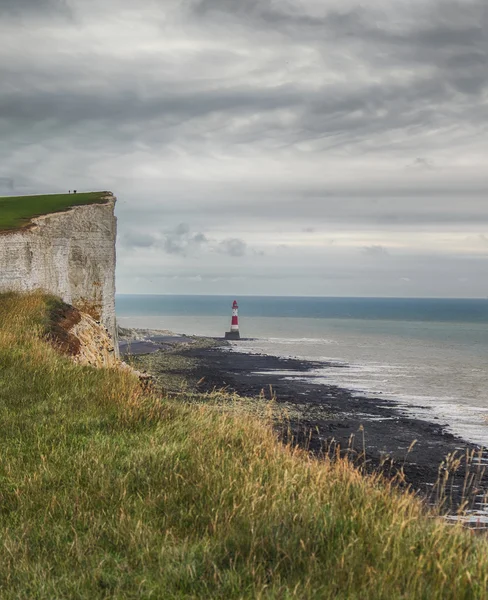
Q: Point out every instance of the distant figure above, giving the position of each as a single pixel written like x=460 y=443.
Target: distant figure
x=69 y=192
x=74 y=191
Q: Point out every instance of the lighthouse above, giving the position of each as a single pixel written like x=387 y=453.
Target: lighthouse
x=233 y=334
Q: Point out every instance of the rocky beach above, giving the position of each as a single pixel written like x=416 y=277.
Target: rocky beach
x=376 y=433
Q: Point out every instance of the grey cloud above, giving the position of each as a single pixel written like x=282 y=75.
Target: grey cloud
x=182 y=229
x=337 y=115
x=375 y=251
x=138 y=239
x=200 y=238
x=121 y=104
x=179 y=240
x=290 y=18
x=447 y=35
x=381 y=207
x=439 y=23
x=421 y=163
x=43 y=8
x=341 y=274
x=251 y=8
x=468 y=60
x=233 y=247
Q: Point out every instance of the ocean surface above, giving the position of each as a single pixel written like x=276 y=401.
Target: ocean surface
x=429 y=355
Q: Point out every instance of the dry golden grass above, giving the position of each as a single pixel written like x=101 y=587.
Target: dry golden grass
x=109 y=493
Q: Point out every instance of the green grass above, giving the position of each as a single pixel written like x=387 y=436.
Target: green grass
x=109 y=493
x=17 y=211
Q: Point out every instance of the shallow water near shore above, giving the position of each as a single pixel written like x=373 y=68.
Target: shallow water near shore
x=436 y=369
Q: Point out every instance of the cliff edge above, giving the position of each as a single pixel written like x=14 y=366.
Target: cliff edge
x=70 y=254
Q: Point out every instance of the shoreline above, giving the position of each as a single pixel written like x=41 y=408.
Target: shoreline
x=374 y=432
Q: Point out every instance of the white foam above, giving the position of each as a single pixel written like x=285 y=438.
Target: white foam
x=446 y=382
x=304 y=341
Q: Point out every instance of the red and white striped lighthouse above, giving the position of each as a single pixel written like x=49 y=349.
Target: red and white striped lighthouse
x=233 y=334
x=235 y=317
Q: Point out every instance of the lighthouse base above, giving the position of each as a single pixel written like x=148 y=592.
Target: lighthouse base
x=232 y=335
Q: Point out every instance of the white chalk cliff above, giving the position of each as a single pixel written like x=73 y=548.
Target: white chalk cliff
x=70 y=254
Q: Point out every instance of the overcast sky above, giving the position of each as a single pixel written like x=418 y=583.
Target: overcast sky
x=306 y=147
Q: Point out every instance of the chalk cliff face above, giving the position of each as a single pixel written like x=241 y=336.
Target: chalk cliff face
x=70 y=254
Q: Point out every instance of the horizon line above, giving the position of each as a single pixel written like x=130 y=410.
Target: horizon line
x=315 y=296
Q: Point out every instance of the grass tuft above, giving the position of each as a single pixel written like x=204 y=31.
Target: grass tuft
x=106 y=492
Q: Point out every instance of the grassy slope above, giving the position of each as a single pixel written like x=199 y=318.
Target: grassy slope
x=16 y=211
x=107 y=493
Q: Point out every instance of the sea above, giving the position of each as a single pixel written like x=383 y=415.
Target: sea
x=428 y=355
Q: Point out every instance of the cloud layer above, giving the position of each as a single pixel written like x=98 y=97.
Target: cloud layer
x=261 y=147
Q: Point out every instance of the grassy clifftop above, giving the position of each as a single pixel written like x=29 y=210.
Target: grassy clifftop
x=106 y=492
x=17 y=211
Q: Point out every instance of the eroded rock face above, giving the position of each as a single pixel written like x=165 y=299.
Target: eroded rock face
x=88 y=343
x=95 y=346
x=69 y=254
